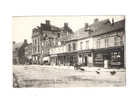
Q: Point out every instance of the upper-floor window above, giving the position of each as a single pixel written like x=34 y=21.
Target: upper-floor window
x=87 y=44
x=110 y=41
x=35 y=41
x=74 y=46
x=38 y=48
x=98 y=43
x=106 y=42
x=58 y=35
x=81 y=45
x=118 y=41
x=102 y=43
x=69 y=47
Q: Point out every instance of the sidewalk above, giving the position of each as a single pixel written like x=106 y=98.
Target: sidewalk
x=86 y=68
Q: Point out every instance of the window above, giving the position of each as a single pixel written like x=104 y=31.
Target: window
x=117 y=41
x=38 y=48
x=102 y=43
x=35 y=41
x=58 y=35
x=106 y=42
x=69 y=47
x=87 y=44
x=116 y=55
x=89 y=54
x=74 y=46
x=81 y=44
x=110 y=41
x=98 y=43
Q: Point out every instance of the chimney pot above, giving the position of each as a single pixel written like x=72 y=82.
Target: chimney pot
x=13 y=42
x=96 y=20
x=86 y=25
x=112 y=20
x=65 y=24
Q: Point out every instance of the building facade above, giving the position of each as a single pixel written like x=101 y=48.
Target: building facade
x=109 y=44
x=19 y=52
x=28 y=54
x=36 y=45
x=46 y=37
x=16 y=47
x=92 y=45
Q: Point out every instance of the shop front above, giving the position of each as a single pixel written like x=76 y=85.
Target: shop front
x=85 y=58
x=46 y=60
x=67 y=59
x=114 y=56
x=53 y=60
x=35 y=59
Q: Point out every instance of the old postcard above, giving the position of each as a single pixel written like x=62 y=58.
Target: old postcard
x=68 y=51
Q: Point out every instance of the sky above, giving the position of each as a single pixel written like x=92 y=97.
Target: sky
x=22 y=25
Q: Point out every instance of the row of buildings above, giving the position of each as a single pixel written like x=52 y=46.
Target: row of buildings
x=89 y=46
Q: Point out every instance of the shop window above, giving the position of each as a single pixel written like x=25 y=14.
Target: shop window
x=116 y=56
x=98 y=58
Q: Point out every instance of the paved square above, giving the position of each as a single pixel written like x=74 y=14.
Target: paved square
x=42 y=76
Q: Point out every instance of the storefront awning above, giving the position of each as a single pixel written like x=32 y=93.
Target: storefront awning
x=46 y=59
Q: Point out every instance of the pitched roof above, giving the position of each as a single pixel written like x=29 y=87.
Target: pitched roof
x=97 y=28
x=105 y=28
x=54 y=28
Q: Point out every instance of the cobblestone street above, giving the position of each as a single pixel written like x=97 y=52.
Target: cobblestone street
x=50 y=76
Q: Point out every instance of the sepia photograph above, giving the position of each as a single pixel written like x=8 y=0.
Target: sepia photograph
x=68 y=51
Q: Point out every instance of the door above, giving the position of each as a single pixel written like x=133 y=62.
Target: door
x=86 y=61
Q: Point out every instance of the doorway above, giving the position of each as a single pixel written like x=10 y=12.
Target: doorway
x=86 y=61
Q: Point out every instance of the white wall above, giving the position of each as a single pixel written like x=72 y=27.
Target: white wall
x=90 y=44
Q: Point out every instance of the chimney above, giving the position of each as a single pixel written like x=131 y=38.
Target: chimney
x=13 y=42
x=38 y=27
x=65 y=24
x=25 y=41
x=96 y=20
x=86 y=25
x=112 y=20
x=47 y=22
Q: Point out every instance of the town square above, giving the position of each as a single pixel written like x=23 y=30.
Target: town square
x=93 y=55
